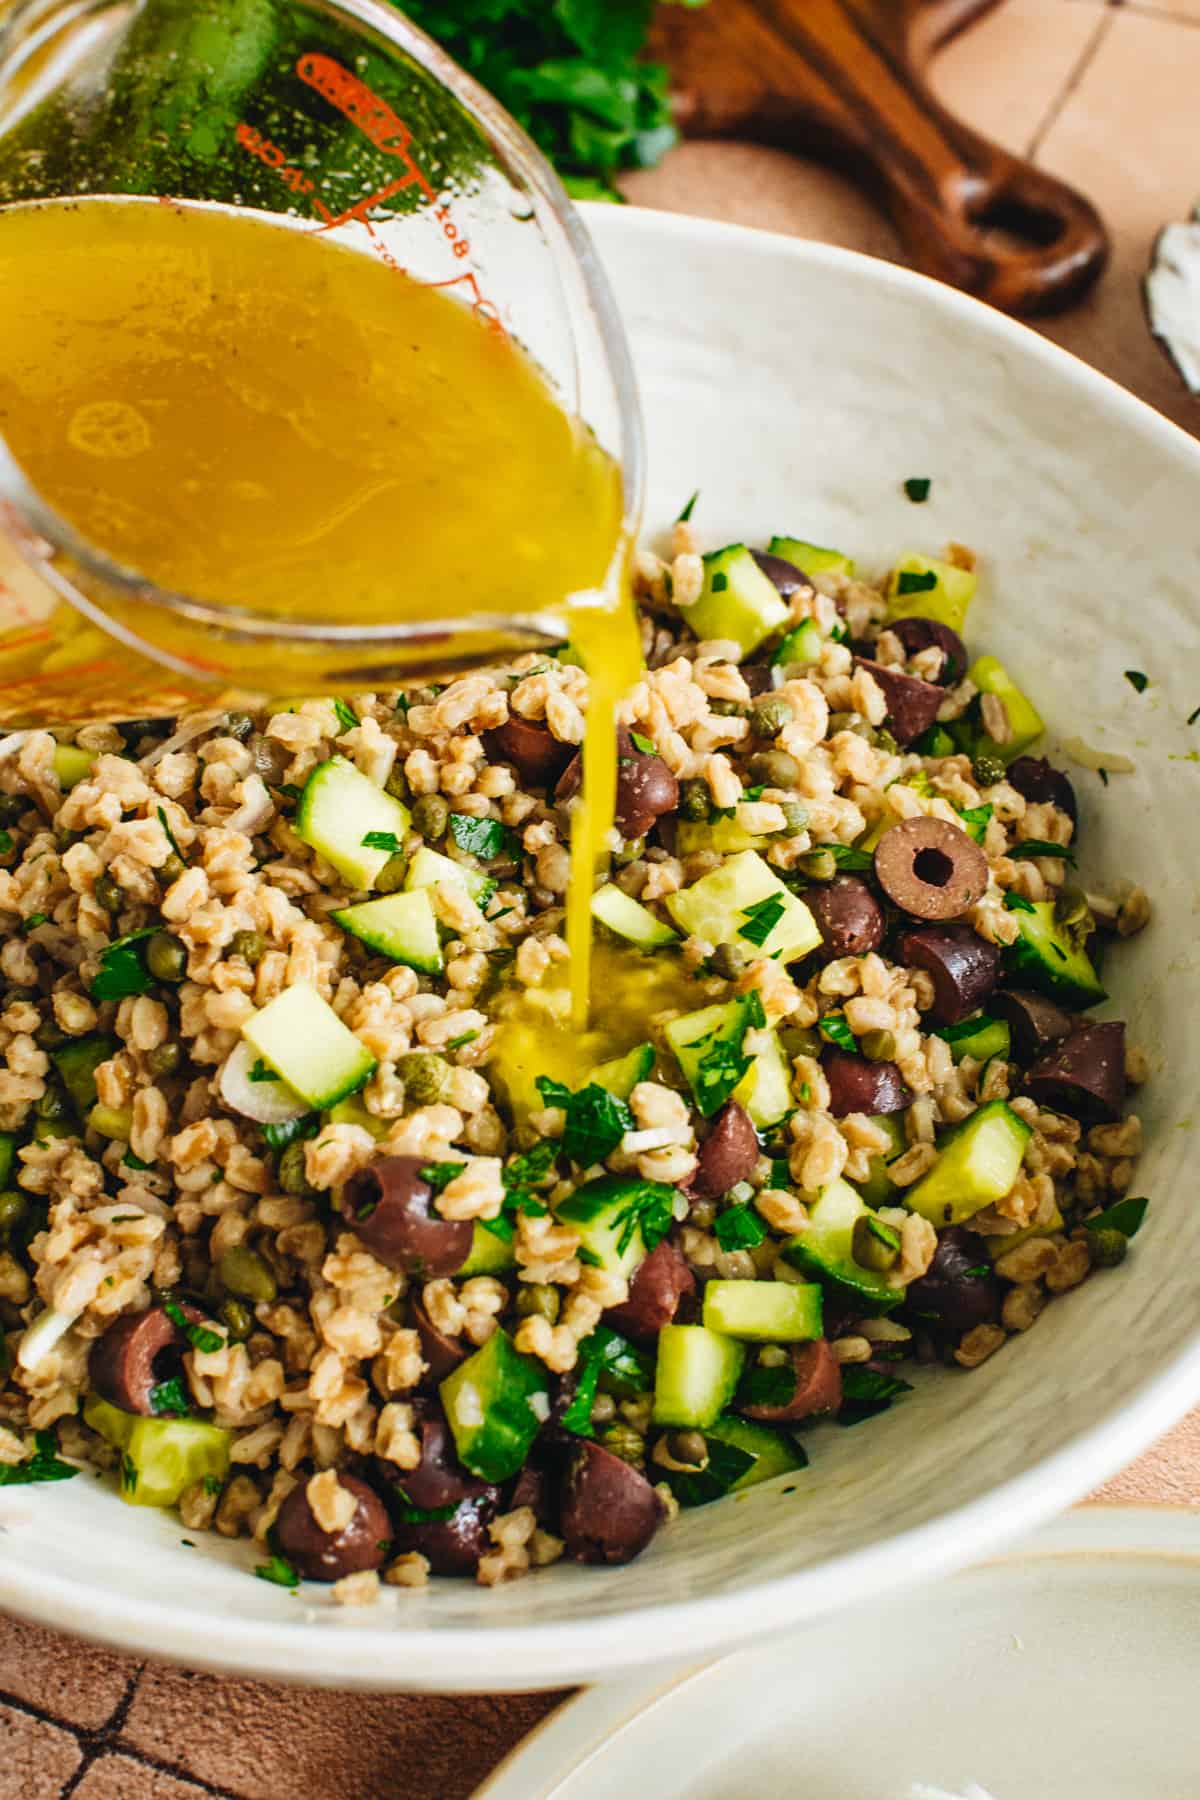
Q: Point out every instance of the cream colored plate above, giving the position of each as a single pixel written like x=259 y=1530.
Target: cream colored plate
x=1065 y=1670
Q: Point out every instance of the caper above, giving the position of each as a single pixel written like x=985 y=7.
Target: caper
x=237 y=1319
x=729 y=960
x=1071 y=907
x=795 y=817
x=424 y=1075
x=53 y=1104
x=878 y=1046
x=166 y=957
x=875 y=1244
x=625 y=1442
x=688 y=1447
x=109 y=894
x=49 y=1035
x=538 y=1300
x=883 y=740
x=695 y=801
x=238 y=725
x=12 y=806
x=396 y=784
x=774 y=768
x=1106 y=1248
x=987 y=770
x=248 y=945
x=172 y=869
x=800 y=1040
x=769 y=716
x=14 y=996
x=390 y=878
x=245 y=1273
x=818 y=865
x=629 y=851
x=13 y=1207
x=164 y=1059
x=430 y=816
x=133 y=730
x=841 y=721
x=292 y=1176
x=725 y=709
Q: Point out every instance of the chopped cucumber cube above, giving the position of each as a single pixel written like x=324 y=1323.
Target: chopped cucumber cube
x=980 y=1038
x=811 y=559
x=774 y=1452
x=77 y=1063
x=803 y=645
x=912 y=595
x=301 y=1037
x=351 y=1111
x=402 y=926
x=72 y=764
x=622 y=1075
x=765 y=1090
x=630 y=919
x=108 y=1421
x=708 y=1046
x=999 y=1246
x=339 y=809
x=878 y=1189
x=695 y=1376
x=978 y=1163
x=161 y=1457
x=1025 y=722
x=8 y=1155
x=490 y=1255
x=429 y=868
x=607 y=1214
x=738 y=601
x=725 y=835
x=1045 y=957
x=112 y=1122
x=765 y=1312
x=496 y=1403
x=745 y=903
x=825 y=1250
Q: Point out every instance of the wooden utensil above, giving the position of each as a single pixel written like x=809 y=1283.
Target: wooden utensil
x=845 y=79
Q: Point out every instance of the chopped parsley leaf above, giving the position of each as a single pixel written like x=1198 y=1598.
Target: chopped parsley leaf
x=169 y=834
x=650 y=1208
x=847 y=857
x=1039 y=847
x=917 y=488
x=130 y=1161
x=466 y=1037
x=1191 y=720
x=754 y=793
x=260 y=1072
x=426 y=1515
x=584 y=1255
x=689 y=509
x=739 y=1228
x=280 y=1571
x=198 y=1336
x=122 y=970
x=6 y=842
x=596 y=1120
x=129 y=1473
x=865 y=1393
x=761 y=919
x=646 y=745
x=213 y=1484
x=520 y=1178
x=484 y=838
x=292 y=1131
x=347 y=718
x=1103 y=774
x=1017 y=902
x=910 y=581
x=975 y=820
x=765 y=1386
x=835 y=1030
x=806 y=1091
x=720 y=1070
x=1137 y=681
x=170 y=1397
x=439 y=1175
x=44 y=1465
x=1124 y=1216
x=720 y=582
x=977 y=1273
x=35 y=919
x=383 y=840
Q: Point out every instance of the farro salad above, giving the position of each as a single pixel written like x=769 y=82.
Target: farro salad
x=321 y=1224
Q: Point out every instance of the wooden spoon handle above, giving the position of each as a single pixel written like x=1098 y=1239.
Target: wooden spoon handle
x=845 y=76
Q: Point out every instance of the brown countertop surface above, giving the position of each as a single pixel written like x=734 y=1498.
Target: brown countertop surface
x=1102 y=94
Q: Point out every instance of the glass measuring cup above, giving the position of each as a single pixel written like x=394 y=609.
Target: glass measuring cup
x=341 y=119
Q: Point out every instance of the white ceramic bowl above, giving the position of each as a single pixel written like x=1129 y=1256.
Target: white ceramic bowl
x=796 y=387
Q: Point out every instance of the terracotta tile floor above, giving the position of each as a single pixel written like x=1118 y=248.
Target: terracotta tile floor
x=1100 y=94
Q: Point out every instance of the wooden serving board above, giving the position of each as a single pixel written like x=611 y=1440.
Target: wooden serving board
x=845 y=79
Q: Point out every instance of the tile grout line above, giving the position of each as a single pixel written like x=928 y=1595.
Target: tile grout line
x=1071 y=84
x=99 y=1741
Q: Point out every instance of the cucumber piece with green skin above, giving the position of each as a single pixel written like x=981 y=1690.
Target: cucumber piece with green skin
x=745 y=903
x=301 y=1037
x=825 y=1250
x=708 y=1047
x=811 y=559
x=695 y=1375
x=77 y=1063
x=774 y=1453
x=737 y=601
x=495 y=1403
x=402 y=926
x=1045 y=958
x=803 y=645
x=338 y=810
x=161 y=1457
x=622 y=1075
x=8 y=1156
x=72 y=764
x=978 y=1163
x=764 y=1312
x=490 y=1255
x=1025 y=722
x=430 y=869
x=606 y=1213
x=934 y=742
x=1000 y=1246
x=114 y=1122
x=351 y=1111
x=948 y=598
x=878 y=1189
x=725 y=835
x=630 y=919
x=765 y=1090
x=980 y=1038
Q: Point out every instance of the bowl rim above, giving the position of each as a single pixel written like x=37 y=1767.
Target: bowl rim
x=463 y=1659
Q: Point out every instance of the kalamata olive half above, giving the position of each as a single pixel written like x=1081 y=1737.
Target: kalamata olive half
x=1034 y=1023
x=1037 y=780
x=441 y=1352
x=646 y=788
x=930 y=868
x=729 y=1153
x=918 y=634
x=658 y=1286
x=958 y=1290
x=388 y=1205
x=788 y=579
x=964 y=967
x=319 y=1555
x=817 y=1375
x=859 y=1086
x=532 y=748
x=609 y=1510
x=912 y=705
x=450 y=1546
x=137 y=1354
x=1083 y=1075
x=848 y=916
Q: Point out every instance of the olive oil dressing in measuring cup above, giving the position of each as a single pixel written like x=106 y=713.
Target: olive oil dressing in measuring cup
x=308 y=378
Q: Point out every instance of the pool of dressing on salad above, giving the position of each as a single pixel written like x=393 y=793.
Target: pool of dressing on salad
x=262 y=420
